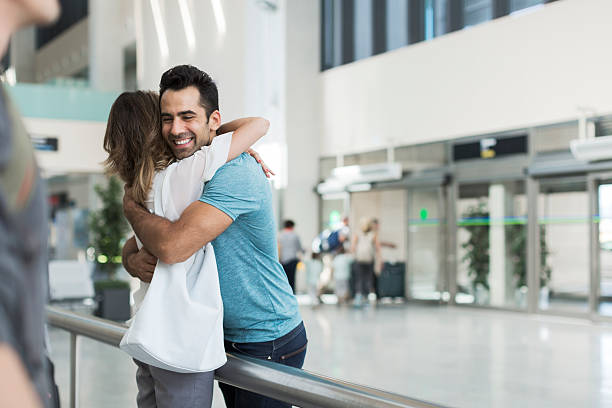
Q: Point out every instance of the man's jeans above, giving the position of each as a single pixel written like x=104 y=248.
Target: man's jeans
x=289 y=349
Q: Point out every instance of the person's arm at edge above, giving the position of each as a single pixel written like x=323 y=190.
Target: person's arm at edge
x=247 y=131
x=378 y=258
x=354 y=243
x=377 y=244
x=16 y=390
x=174 y=242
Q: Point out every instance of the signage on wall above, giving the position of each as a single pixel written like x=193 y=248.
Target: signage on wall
x=44 y=143
x=490 y=148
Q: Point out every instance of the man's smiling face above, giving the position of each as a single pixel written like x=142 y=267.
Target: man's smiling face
x=185 y=125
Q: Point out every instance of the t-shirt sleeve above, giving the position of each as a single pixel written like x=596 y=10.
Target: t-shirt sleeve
x=216 y=154
x=233 y=190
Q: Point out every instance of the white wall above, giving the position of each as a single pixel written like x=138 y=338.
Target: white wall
x=222 y=55
x=106 y=46
x=23 y=54
x=79 y=145
x=518 y=71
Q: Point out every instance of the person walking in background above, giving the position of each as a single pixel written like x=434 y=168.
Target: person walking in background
x=289 y=246
x=366 y=249
x=343 y=262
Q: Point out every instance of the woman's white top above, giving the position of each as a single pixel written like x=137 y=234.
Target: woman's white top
x=178 y=325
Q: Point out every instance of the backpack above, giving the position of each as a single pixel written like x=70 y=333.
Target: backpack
x=333 y=240
x=329 y=241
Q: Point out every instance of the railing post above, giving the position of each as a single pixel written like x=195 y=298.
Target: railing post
x=74 y=364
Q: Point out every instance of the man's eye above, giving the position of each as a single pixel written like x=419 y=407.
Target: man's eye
x=187 y=117
x=166 y=120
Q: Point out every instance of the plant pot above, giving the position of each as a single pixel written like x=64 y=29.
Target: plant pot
x=544 y=298
x=481 y=295
x=520 y=297
x=113 y=301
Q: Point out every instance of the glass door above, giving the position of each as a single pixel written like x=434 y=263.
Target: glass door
x=426 y=251
x=564 y=229
x=491 y=243
x=603 y=284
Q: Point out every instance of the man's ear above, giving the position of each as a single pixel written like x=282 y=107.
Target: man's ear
x=214 y=122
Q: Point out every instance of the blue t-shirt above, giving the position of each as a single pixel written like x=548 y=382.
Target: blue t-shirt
x=258 y=303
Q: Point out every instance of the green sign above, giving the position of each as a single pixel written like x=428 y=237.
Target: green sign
x=334 y=218
x=424 y=213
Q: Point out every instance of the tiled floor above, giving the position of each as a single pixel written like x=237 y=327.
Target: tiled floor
x=455 y=356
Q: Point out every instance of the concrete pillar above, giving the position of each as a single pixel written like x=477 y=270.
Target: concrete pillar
x=23 y=53
x=303 y=113
x=105 y=45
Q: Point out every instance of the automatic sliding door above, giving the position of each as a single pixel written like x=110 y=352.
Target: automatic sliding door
x=425 y=255
x=604 y=201
x=492 y=244
x=563 y=219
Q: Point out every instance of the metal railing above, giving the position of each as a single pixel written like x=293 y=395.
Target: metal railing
x=288 y=384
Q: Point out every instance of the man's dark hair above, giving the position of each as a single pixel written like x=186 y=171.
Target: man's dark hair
x=183 y=76
x=289 y=224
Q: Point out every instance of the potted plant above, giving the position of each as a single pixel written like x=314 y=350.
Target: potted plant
x=107 y=232
x=476 y=222
x=517 y=237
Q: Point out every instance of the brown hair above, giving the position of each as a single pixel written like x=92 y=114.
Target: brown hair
x=134 y=143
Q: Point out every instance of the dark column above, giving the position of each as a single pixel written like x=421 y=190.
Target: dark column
x=501 y=8
x=416 y=21
x=379 y=26
x=348 y=33
x=455 y=15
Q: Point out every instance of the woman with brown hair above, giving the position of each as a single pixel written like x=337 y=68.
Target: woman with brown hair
x=178 y=325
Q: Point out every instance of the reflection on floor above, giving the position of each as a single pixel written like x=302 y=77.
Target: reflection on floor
x=458 y=357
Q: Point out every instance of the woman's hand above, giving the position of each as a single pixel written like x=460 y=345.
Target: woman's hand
x=269 y=173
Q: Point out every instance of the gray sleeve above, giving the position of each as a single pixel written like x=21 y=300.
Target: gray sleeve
x=8 y=290
x=5 y=133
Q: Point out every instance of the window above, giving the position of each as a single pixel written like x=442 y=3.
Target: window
x=327 y=35
x=73 y=11
x=363 y=29
x=477 y=11
x=440 y=17
x=516 y=5
x=397 y=23
x=356 y=29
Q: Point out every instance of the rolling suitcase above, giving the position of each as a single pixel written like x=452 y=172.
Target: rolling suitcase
x=391 y=281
